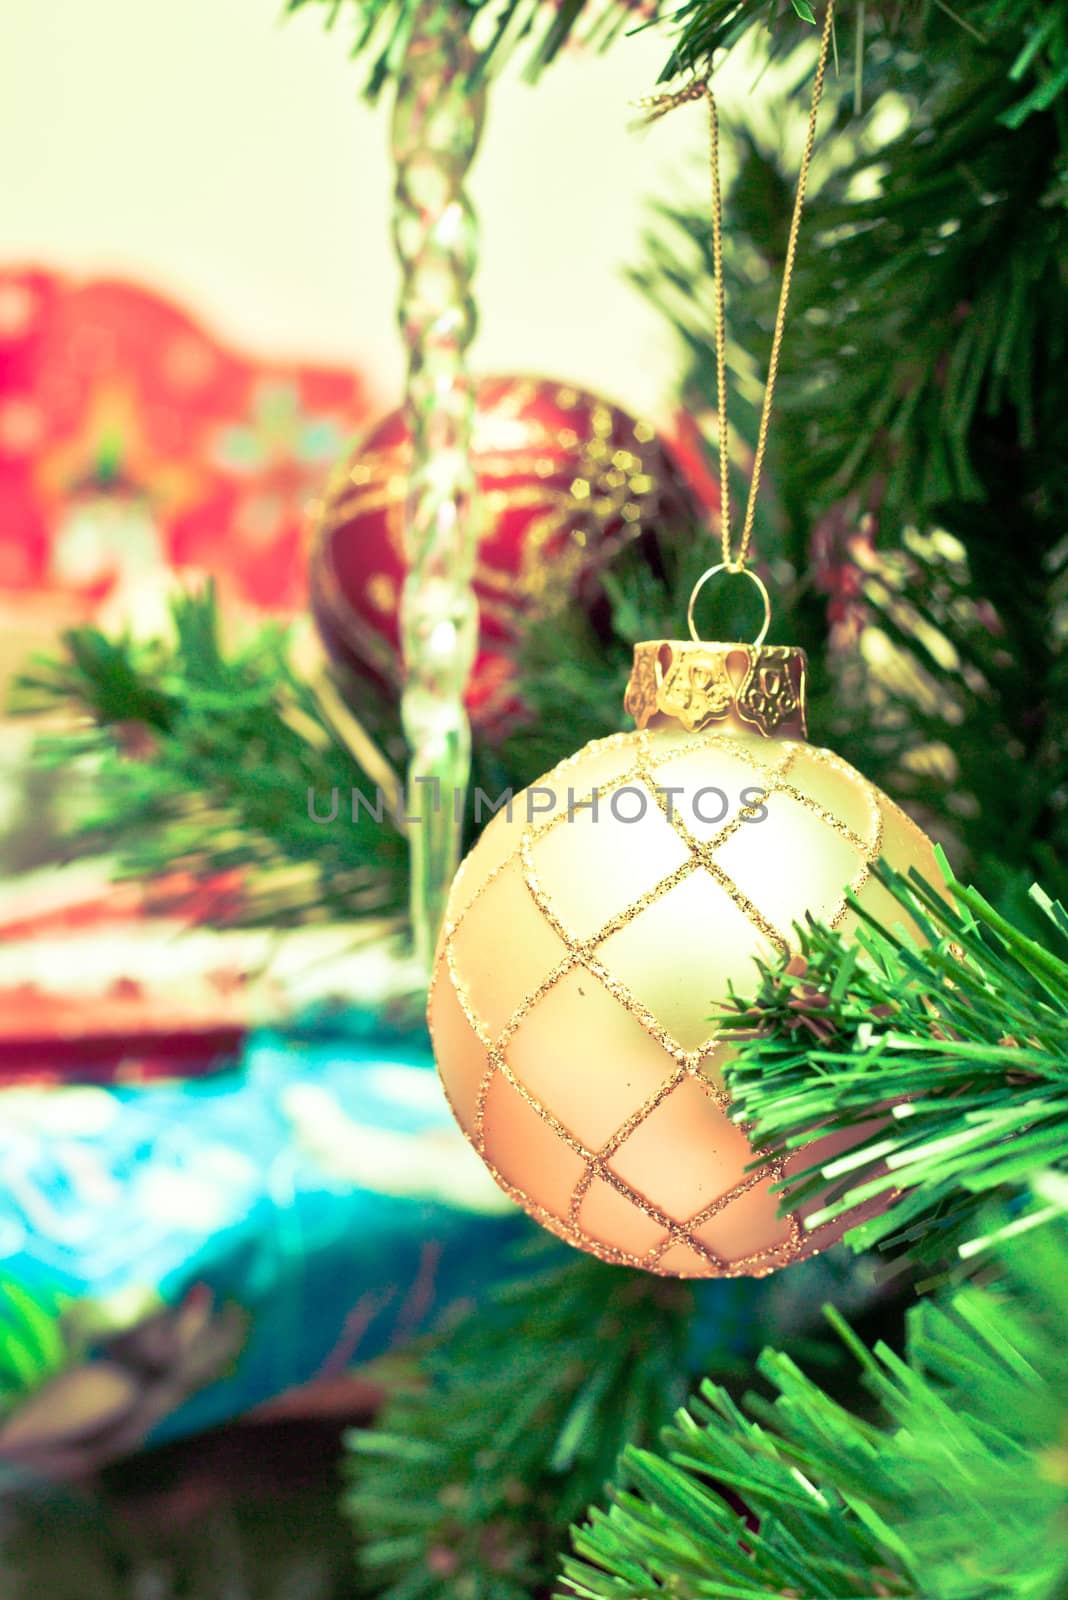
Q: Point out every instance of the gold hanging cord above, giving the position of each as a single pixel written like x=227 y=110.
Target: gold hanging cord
x=656 y=106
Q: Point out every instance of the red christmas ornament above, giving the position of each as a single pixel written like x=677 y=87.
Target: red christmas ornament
x=566 y=480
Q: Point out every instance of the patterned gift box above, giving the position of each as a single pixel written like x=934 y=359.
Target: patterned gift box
x=173 y=1254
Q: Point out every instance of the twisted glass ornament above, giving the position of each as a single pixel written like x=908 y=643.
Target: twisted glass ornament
x=437 y=121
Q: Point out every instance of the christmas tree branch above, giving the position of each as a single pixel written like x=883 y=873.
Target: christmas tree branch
x=212 y=759
x=957 y=1490
x=703 y=29
x=34 y=1340
x=383 y=29
x=471 y=1475
x=919 y=447
x=961 y=1043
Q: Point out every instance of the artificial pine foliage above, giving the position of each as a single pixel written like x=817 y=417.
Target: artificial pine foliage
x=467 y=1482
x=35 y=1340
x=384 y=28
x=203 y=757
x=963 y=1041
x=956 y=1490
x=918 y=407
x=539 y=29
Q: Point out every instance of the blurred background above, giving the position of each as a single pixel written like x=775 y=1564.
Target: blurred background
x=260 y=1305
x=228 y=160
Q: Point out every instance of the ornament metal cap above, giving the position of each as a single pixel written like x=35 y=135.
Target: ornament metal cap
x=744 y=688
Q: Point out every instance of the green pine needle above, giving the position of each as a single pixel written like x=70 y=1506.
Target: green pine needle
x=468 y=1480
x=958 y=1490
x=202 y=758
x=34 y=1345
x=918 y=400
x=962 y=1045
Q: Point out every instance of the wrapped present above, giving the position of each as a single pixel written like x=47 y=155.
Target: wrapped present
x=95 y=981
x=186 y=1250
x=104 y=980
x=173 y=1254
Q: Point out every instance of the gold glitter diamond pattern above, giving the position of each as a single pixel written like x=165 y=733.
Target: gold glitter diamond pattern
x=581 y=954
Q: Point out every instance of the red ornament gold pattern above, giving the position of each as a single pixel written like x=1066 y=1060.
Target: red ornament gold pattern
x=566 y=480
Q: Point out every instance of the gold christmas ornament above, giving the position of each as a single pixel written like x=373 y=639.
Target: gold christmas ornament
x=594 y=929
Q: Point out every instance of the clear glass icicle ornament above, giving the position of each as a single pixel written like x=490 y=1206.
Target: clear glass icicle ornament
x=437 y=122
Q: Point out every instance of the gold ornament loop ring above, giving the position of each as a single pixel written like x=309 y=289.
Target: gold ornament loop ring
x=732 y=567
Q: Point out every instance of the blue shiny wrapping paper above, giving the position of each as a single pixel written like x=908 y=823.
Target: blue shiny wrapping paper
x=321 y=1187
